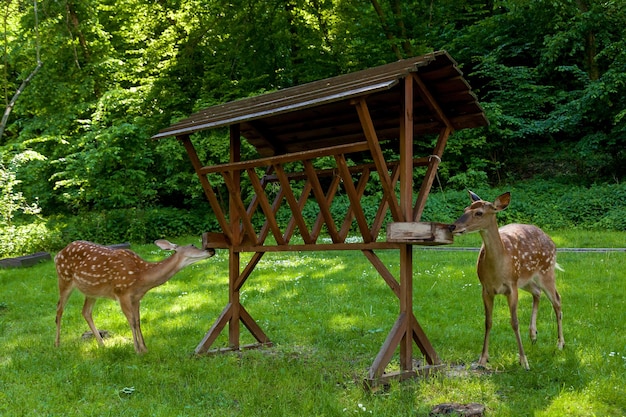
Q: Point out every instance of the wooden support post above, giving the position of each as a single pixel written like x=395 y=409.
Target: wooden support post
x=234 y=313
x=406 y=330
x=233 y=257
x=406 y=205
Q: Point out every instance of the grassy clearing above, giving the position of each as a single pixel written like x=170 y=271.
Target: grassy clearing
x=328 y=314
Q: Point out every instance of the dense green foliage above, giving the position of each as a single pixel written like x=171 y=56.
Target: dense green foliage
x=328 y=314
x=548 y=204
x=551 y=75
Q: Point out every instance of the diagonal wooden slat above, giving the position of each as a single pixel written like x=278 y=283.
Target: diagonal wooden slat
x=389 y=346
x=241 y=279
x=322 y=201
x=215 y=330
x=379 y=158
x=360 y=189
x=206 y=186
x=238 y=206
x=291 y=225
x=377 y=224
x=319 y=220
x=355 y=201
x=261 y=197
x=296 y=209
x=383 y=271
x=253 y=327
x=423 y=343
x=275 y=207
x=431 y=172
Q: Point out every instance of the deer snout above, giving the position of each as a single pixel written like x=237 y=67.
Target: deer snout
x=210 y=251
x=456 y=229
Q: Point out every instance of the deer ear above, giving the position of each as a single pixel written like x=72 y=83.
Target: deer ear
x=165 y=245
x=474 y=196
x=502 y=201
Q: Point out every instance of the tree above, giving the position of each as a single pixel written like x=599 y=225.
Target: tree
x=10 y=104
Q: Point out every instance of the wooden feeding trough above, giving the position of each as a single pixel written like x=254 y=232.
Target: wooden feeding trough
x=320 y=140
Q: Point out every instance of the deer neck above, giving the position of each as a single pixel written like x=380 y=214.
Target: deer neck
x=492 y=242
x=158 y=273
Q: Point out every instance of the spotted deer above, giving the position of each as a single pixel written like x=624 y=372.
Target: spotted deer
x=102 y=272
x=511 y=257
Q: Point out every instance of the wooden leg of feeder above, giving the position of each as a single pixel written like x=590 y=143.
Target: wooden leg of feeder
x=423 y=343
x=406 y=305
x=234 y=301
x=215 y=330
x=404 y=332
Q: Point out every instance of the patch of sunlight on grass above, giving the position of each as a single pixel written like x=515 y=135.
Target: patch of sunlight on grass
x=570 y=403
x=341 y=322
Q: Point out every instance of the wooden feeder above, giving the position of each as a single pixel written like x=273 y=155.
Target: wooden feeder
x=349 y=124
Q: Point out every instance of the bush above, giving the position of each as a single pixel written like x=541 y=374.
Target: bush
x=134 y=225
x=26 y=239
x=547 y=204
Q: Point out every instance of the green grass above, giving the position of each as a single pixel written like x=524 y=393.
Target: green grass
x=328 y=315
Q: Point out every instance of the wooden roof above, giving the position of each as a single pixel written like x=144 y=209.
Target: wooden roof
x=321 y=114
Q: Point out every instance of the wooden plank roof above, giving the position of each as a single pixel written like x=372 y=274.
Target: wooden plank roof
x=321 y=114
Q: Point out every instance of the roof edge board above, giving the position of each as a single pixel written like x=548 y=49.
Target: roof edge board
x=276 y=111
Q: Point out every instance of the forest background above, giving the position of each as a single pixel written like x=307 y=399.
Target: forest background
x=86 y=84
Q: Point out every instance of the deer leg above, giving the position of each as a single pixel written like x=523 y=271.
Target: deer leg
x=64 y=295
x=559 y=318
x=131 y=311
x=536 y=292
x=512 y=298
x=549 y=288
x=555 y=299
x=488 y=302
x=140 y=343
x=87 y=310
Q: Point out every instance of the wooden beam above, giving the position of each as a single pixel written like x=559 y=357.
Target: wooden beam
x=319 y=220
x=406 y=150
x=406 y=305
x=389 y=347
x=284 y=159
x=360 y=190
x=291 y=225
x=383 y=271
x=238 y=211
x=215 y=330
x=423 y=343
x=355 y=201
x=322 y=202
x=206 y=186
x=377 y=224
x=431 y=172
x=296 y=209
x=234 y=257
x=430 y=100
x=379 y=159
x=270 y=217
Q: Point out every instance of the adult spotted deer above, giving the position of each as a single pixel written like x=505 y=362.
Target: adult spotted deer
x=513 y=256
x=101 y=272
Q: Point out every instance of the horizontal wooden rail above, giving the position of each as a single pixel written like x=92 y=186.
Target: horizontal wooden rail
x=283 y=159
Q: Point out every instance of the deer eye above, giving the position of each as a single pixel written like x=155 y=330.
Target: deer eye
x=478 y=213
